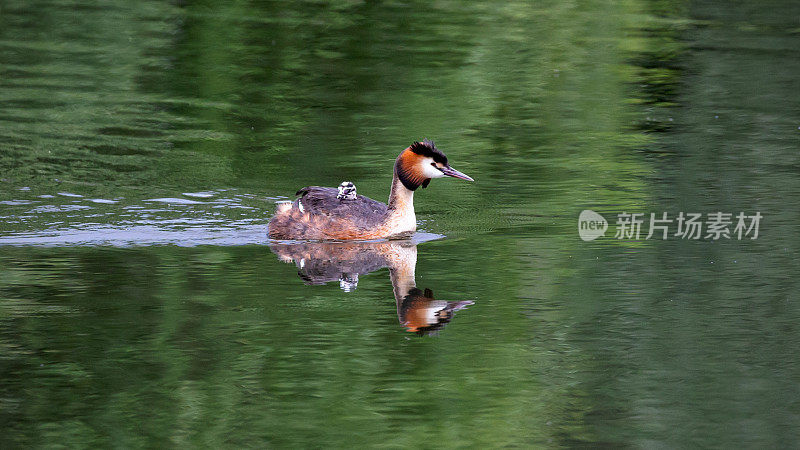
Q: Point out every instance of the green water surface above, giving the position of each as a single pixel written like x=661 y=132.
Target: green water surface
x=143 y=146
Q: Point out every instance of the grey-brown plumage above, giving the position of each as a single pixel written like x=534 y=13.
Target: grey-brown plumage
x=318 y=213
x=323 y=200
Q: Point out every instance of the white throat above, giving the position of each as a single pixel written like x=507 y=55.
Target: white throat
x=401 y=217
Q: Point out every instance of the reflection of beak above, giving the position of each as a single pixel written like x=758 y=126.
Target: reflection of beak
x=450 y=172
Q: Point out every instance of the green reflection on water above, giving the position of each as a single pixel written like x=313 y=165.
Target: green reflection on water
x=552 y=107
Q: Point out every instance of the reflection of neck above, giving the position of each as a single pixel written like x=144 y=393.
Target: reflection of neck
x=402 y=263
x=400 y=216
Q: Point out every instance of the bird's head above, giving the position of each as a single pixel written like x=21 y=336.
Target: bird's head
x=422 y=161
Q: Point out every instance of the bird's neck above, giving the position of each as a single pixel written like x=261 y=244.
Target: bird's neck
x=400 y=196
x=400 y=214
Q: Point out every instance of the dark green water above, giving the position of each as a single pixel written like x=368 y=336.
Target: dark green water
x=143 y=145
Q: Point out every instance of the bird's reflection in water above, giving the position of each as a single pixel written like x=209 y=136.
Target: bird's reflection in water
x=323 y=262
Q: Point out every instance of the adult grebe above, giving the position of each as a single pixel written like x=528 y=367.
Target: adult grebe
x=329 y=213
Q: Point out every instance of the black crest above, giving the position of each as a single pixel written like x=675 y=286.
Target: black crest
x=428 y=148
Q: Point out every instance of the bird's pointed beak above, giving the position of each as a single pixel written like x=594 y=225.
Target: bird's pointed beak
x=450 y=172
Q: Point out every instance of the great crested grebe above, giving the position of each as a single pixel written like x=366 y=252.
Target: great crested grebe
x=340 y=214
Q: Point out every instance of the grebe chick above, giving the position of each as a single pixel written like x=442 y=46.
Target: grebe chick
x=347 y=191
x=322 y=213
